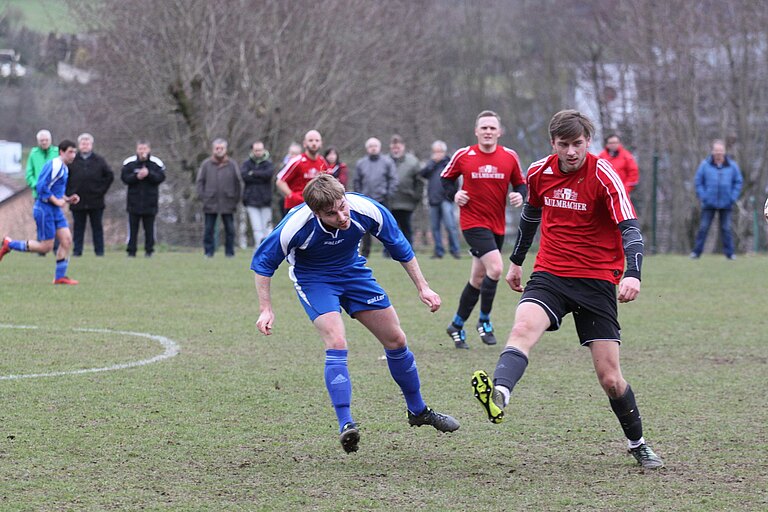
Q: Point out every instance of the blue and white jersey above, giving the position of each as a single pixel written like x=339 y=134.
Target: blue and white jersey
x=319 y=255
x=52 y=180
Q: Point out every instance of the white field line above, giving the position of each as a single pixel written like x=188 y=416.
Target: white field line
x=170 y=346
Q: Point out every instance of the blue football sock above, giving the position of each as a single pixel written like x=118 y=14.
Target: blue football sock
x=458 y=321
x=402 y=366
x=485 y=317
x=18 y=245
x=339 y=385
x=61 y=268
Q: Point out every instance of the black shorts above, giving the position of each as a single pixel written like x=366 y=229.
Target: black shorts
x=482 y=241
x=592 y=302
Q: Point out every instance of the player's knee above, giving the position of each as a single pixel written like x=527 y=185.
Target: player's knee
x=397 y=340
x=524 y=330
x=494 y=272
x=612 y=383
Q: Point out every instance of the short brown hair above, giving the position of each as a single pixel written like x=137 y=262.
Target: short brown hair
x=570 y=125
x=322 y=192
x=487 y=113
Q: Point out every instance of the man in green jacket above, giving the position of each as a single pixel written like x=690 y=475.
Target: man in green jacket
x=38 y=157
x=410 y=187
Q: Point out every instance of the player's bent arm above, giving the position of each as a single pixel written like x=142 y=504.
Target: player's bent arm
x=266 y=315
x=426 y=294
x=450 y=187
x=530 y=218
x=632 y=240
x=283 y=188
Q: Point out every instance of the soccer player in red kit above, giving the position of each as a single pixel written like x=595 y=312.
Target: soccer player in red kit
x=487 y=169
x=589 y=230
x=300 y=169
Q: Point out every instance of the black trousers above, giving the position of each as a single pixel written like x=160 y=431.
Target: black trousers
x=97 y=230
x=403 y=218
x=148 y=221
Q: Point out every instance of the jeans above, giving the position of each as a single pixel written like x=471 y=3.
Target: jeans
x=707 y=216
x=209 y=235
x=97 y=230
x=148 y=221
x=444 y=213
x=261 y=222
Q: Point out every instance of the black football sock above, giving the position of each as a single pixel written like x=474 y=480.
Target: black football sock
x=510 y=368
x=628 y=414
x=487 y=294
x=467 y=301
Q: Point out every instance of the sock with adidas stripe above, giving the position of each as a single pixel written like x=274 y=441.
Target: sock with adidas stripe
x=402 y=366
x=339 y=385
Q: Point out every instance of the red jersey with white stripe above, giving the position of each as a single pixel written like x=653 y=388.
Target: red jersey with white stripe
x=487 y=177
x=580 y=214
x=297 y=173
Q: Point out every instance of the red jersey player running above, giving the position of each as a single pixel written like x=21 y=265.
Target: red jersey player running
x=300 y=169
x=487 y=169
x=588 y=229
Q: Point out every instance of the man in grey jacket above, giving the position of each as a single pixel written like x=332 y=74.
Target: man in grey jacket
x=375 y=177
x=410 y=187
x=219 y=188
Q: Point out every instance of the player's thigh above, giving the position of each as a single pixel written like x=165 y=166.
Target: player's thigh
x=492 y=264
x=64 y=235
x=45 y=223
x=330 y=326
x=385 y=325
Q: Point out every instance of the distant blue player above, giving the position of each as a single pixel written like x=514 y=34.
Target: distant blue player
x=320 y=241
x=50 y=220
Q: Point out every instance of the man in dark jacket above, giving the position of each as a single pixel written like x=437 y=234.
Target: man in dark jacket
x=375 y=177
x=219 y=188
x=143 y=173
x=89 y=177
x=257 y=173
x=441 y=210
x=718 y=185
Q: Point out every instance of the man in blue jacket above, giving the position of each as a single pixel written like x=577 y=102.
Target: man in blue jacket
x=718 y=185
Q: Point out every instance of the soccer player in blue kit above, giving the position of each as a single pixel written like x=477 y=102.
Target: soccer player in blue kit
x=320 y=241
x=50 y=220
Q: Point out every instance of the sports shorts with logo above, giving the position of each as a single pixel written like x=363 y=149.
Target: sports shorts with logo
x=352 y=292
x=482 y=241
x=48 y=218
x=592 y=302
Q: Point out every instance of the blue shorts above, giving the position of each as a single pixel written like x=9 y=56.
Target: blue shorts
x=48 y=220
x=351 y=293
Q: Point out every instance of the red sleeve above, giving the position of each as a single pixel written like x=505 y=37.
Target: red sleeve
x=453 y=170
x=286 y=172
x=516 y=176
x=616 y=197
x=532 y=180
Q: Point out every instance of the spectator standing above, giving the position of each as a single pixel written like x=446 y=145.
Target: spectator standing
x=336 y=167
x=295 y=175
x=409 y=192
x=51 y=223
x=219 y=188
x=294 y=150
x=90 y=178
x=39 y=155
x=487 y=169
x=375 y=177
x=257 y=171
x=441 y=210
x=718 y=185
x=622 y=161
x=143 y=173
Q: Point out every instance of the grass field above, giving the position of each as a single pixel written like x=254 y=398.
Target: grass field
x=238 y=421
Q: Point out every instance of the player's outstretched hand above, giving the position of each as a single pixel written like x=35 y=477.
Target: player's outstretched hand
x=265 y=321
x=431 y=299
x=515 y=277
x=629 y=289
x=515 y=199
